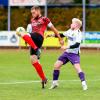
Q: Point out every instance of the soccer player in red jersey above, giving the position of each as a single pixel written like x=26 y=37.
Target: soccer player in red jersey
x=35 y=39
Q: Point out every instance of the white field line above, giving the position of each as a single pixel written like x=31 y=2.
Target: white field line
x=37 y=81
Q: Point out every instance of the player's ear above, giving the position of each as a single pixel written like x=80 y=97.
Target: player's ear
x=38 y=10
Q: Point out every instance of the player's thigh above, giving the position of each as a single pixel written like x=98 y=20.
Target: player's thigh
x=77 y=67
x=37 y=38
x=35 y=52
x=73 y=58
x=58 y=64
x=63 y=58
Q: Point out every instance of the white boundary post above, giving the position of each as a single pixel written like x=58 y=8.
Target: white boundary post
x=46 y=14
x=9 y=15
x=46 y=9
x=84 y=19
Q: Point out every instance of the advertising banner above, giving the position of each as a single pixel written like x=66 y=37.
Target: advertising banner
x=92 y=37
x=11 y=39
x=26 y=2
x=8 y=39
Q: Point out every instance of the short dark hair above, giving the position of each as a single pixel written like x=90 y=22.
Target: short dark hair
x=35 y=7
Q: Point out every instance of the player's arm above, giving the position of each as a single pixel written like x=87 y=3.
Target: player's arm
x=51 y=26
x=78 y=41
x=56 y=33
x=76 y=45
x=65 y=34
x=53 y=35
x=29 y=28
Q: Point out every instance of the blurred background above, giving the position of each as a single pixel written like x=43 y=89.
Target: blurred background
x=15 y=13
x=19 y=80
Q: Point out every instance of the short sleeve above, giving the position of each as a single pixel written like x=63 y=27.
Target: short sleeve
x=29 y=28
x=46 y=20
x=66 y=33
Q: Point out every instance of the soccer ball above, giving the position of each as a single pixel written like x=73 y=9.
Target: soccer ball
x=20 y=30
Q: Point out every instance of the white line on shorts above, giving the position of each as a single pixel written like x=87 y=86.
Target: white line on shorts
x=37 y=81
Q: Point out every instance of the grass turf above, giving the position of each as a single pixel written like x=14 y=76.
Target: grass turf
x=15 y=67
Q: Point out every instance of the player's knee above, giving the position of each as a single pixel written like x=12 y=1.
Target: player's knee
x=56 y=66
x=78 y=68
x=33 y=59
x=23 y=34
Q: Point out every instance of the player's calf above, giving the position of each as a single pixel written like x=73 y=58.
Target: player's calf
x=38 y=68
x=56 y=73
x=83 y=81
x=81 y=76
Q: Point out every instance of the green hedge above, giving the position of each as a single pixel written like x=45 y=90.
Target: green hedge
x=3 y=19
x=20 y=17
x=93 y=20
x=60 y=17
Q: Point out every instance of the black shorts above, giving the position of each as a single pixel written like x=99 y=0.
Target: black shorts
x=38 y=40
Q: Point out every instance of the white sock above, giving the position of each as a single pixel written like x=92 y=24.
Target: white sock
x=55 y=82
x=83 y=82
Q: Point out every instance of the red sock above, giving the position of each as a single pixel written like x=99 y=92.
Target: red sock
x=39 y=70
x=29 y=40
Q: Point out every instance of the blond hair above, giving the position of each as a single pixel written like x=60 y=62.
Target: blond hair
x=78 y=21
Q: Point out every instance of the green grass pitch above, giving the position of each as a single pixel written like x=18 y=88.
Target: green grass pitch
x=18 y=77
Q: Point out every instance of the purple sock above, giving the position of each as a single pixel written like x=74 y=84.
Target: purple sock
x=55 y=74
x=81 y=76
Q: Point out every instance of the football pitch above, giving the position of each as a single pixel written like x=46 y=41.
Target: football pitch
x=19 y=81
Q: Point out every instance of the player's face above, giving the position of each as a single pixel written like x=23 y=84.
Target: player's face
x=74 y=25
x=35 y=13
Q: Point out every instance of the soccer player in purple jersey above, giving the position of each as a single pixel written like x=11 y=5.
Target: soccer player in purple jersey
x=71 y=53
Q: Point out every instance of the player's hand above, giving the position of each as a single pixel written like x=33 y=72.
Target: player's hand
x=50 y=35
x=61 y=42
x=63 y=47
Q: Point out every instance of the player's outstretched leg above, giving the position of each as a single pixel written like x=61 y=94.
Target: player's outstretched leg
x=27 y=38
x=81 y=76
x=55 y=79
x=39 y=69
x=56 y=74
